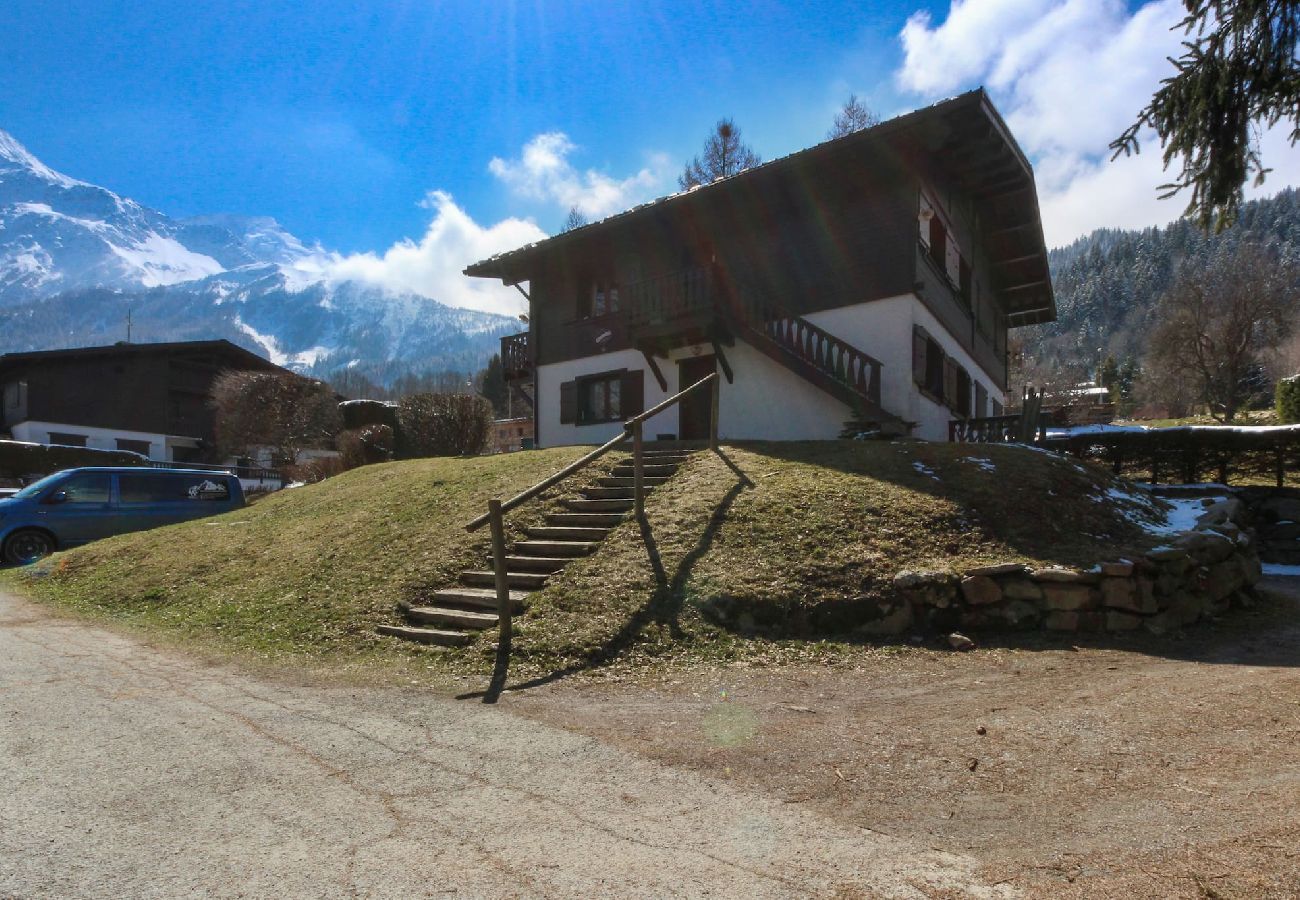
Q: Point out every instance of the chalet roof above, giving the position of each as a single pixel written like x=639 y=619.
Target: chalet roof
x=222 y=347
x=964 y=137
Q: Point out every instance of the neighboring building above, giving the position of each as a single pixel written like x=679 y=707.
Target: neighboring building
x=869 y=280
x=152 y=399
x=509 y=435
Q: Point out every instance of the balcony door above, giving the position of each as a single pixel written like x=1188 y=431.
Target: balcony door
x=694 y=410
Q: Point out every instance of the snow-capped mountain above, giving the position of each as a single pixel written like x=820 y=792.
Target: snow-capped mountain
x=74 y=257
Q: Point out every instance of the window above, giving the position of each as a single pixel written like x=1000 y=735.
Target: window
x=938 y=242
x=601 y=300
x=141 y=447
x=957 y=388
x=158 y=488
x=67 y=440
x=88 y=488
x=981 y=401
x=599 y=399
x=928 y=364
x=605 y=397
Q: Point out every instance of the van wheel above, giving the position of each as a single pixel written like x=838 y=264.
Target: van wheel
x=26 y=547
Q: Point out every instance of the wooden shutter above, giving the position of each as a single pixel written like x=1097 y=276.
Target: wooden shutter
x=950 y=382
x=632 y=393
x=981 y=401
x=568 y=403
x=918 y=355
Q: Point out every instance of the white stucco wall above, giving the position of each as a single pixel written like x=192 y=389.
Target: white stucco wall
x=883 y=328
x=97 y=438
x=767 y=401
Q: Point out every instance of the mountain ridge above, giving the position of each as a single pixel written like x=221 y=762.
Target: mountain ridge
x=75 y=257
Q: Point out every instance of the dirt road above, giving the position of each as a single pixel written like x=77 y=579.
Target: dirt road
x=131 y=771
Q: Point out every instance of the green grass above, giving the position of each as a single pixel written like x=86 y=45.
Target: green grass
x=790 y=539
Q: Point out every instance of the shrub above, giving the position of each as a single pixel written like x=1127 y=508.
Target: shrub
x=1288 y=400
x=314 y=470
x=22 y=460
x=280 y=410
x=442 y=425
x=366 y=445
x=359 y=413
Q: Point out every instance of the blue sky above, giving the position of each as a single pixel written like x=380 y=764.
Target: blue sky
x=341 y=118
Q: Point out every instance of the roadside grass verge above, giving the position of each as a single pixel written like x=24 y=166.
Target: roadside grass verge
x=790 y=539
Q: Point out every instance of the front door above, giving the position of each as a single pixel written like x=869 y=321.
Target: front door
x=696 y=407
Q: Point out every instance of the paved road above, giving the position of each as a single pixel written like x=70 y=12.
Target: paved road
x=129 y=771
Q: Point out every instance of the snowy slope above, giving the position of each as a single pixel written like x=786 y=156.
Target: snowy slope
x=75 y=256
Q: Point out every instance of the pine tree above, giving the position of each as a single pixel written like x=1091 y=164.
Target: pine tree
x=724 y=155
x=492 y=384
x=1238 y=71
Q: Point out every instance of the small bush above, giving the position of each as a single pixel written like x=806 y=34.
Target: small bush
x=442 y=425
x=1288 y=400
x=366 y=445
x=314 y=470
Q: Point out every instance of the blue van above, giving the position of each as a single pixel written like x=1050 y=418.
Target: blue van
x=77 y=506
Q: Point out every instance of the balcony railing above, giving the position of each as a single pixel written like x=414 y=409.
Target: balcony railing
x=515 y=360
x=684 y=297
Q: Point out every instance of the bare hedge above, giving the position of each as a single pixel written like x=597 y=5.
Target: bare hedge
x=442 y=425
x=22 y=460
x=1189 y=453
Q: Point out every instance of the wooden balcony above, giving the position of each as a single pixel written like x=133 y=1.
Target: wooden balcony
x=682 y=305
x=516 y=361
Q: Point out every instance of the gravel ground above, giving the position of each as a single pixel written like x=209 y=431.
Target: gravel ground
x=134 y=771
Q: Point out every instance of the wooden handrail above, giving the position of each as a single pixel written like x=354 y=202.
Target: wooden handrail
x=675 y=398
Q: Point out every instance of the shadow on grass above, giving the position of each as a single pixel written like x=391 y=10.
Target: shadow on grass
x=664 y=606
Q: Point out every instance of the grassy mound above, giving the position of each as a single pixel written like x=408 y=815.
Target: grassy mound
x=794 y=535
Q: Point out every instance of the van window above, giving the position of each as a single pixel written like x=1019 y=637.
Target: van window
x=90 y=487
x=171 y=488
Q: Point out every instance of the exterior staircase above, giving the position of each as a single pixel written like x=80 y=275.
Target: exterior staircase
x=830 y=363
x=455 y=613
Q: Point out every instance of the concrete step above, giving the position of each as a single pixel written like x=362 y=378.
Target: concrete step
x=459 y=618
x=537 y=563
x=587 y=520
x=602 y=506
x=552 y=533
x=426 y=635
x=610 y=493
x=629 y=481
x=527 y=581
x=627 y=470
x=554 y=549
x=482 y=598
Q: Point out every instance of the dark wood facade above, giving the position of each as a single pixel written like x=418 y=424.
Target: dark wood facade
x=836 y=225
x=154 y=388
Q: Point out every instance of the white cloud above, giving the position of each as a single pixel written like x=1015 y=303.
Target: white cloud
x=433 y=266
x=543 y=172
x=1069 y=76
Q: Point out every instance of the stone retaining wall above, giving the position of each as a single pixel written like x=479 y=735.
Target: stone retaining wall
x=1192 y=576
x=1275 y=514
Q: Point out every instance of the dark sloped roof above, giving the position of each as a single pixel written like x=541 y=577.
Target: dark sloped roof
x=964 y=136
x=221 y=347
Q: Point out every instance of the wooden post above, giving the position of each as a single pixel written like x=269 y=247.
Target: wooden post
x=638 y=468
x=1281 y=468
x=504 y=610
x=715 y=389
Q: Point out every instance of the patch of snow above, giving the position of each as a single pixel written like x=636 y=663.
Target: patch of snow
x=923 y=469
x=1282 y=570
x=308 y=357
x=984 y=464
x=15 y=152
x=162 y=261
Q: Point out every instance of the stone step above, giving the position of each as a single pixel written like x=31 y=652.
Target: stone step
x=549 y=548
x=527 y=581
x=602 y=506
x=483 y=598
x=588 y=520
x=610 y=493
x=441 y=615
x=627 y=470
x=537 y=563
x=630 y=481
x=426 y=635
x=553 y=533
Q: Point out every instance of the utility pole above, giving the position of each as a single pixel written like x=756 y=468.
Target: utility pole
x=128 y=324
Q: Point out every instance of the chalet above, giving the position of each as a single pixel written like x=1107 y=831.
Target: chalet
x=866 y=283
x=152 y=399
